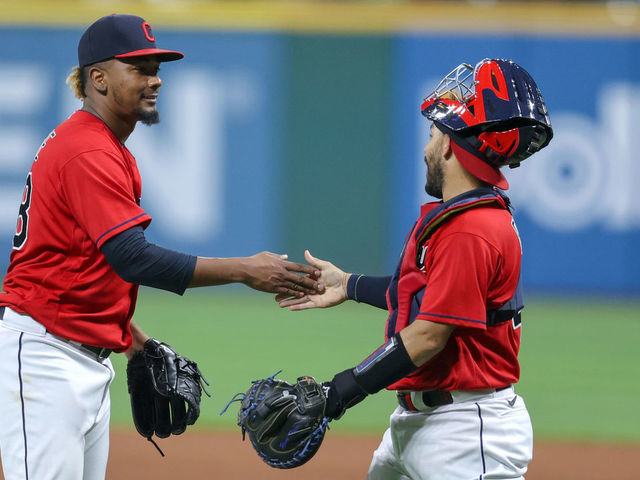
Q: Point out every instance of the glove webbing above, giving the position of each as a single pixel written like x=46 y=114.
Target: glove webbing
x=317 y=435
x=239 y=397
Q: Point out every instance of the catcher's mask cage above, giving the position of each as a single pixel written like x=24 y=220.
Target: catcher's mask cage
x=496 y=107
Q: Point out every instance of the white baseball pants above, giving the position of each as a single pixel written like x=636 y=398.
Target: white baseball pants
x=54 y=405
x=481 y=438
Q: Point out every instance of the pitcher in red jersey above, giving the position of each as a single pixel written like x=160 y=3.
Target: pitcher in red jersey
x=454 y=300
x=79 y=255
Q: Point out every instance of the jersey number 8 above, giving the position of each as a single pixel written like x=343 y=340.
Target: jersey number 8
x=22 y=227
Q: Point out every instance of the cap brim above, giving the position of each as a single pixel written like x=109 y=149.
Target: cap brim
x=479 y=168
x=163 y=55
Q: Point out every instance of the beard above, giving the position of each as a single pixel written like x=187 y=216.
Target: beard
x=435 y=180
x=148 y=117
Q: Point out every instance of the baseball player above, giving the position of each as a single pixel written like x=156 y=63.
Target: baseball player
x=79 y=254
x=454 y=300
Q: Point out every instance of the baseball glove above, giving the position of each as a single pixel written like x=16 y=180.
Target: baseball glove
x=285 y=423
x=165 y=390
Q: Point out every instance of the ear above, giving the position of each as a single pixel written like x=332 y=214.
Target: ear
x=446 y=147
x=97 y=78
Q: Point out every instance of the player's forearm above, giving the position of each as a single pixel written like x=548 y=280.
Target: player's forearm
x=137 y=261
x=401 y=355
x=423 y=340
x=385 y=366
x=219 y=271
x=139 y=338
x=265 y=272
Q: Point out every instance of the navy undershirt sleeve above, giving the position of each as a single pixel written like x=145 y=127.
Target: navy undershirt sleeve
x=371 y=290
x=143 y=263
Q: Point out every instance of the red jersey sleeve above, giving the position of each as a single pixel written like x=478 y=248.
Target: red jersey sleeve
x=458 y=277
x=103 y=193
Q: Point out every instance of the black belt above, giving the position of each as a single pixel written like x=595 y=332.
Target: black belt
x=431 y=398
x=100 y=352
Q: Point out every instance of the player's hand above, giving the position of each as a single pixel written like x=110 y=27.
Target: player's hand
x=334 y=281
x=272 y=273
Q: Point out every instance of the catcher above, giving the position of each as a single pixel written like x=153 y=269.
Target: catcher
x=454 y=304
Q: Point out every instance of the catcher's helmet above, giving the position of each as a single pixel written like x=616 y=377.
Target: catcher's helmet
x=494 y=114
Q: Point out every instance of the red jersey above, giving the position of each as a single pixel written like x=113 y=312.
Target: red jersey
x=83 y=188
x=460 y=263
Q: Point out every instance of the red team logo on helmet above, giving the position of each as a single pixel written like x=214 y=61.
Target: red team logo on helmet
x=494 y=109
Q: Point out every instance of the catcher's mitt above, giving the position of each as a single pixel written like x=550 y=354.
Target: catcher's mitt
x=285 y=423
x=165 y=390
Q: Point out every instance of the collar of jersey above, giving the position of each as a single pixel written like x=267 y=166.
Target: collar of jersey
x=479 y=197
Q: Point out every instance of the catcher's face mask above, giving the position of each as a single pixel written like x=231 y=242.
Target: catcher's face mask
x=495 y=107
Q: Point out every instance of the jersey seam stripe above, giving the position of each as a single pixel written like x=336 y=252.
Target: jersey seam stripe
x=484 y=465
x=449 y=316
x=118 y=226
x=24 y=423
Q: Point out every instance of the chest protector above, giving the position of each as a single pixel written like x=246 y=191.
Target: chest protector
x=408 y=282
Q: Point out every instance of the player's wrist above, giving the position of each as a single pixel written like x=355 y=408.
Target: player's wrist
x=210 y=271
x=342 y=392
x=344 y=284
x=232 y=269
x=240 y=271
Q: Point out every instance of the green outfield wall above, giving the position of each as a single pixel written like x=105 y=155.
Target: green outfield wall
x=337 y=148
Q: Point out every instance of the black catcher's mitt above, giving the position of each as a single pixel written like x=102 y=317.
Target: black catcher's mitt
x=285 y=423
x=165 y=390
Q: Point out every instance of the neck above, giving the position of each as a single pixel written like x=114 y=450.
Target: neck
x=120 y=127
x=458 y=181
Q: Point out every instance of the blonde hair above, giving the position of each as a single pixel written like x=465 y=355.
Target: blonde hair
x=75 y=80
x=448 y=95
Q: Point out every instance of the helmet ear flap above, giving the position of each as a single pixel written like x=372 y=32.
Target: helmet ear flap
x=510 y=147
x=503 y=144
x=532 y=138
x=497 y=148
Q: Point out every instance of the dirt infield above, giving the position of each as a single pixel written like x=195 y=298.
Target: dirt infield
x=204 y=456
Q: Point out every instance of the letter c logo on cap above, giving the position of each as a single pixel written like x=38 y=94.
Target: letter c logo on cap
x=146 y=28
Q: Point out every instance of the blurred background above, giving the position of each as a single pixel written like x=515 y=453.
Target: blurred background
x=293 y=125
x=296 y=124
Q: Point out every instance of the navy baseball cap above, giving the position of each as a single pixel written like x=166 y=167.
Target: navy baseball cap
x=120 y=36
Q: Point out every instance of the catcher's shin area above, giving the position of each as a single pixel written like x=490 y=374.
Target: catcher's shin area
x=285 y=422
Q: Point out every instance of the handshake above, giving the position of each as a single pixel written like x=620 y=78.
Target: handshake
x=285 y=422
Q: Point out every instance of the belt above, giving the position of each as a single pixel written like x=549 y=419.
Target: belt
x=100 y=352
x=438 y=398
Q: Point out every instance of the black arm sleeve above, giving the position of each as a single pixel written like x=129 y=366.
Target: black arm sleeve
x=388 y=364
x=371 y=290
x=138 y=261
